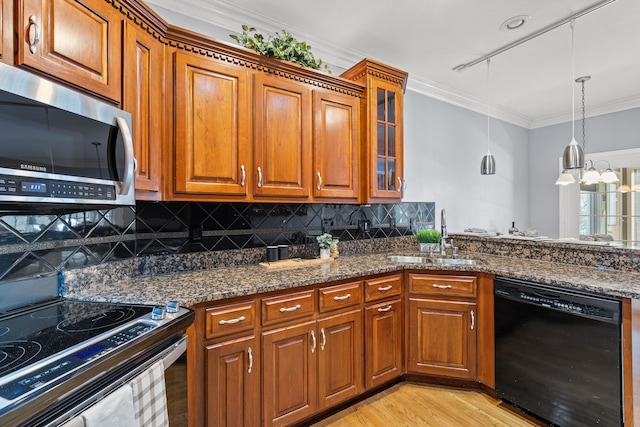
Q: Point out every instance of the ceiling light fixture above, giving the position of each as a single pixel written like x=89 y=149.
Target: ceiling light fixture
x=514 y=23
x=573 y=157
x=488 y=165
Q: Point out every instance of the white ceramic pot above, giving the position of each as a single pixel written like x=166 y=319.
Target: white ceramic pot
x=324 y=253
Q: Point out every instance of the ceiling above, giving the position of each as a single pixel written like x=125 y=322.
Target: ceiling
x=530 y=83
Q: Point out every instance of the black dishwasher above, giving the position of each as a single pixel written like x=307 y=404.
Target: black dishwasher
x=558 y=353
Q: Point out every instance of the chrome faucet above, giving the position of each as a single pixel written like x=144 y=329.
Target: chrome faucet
x=445 y=235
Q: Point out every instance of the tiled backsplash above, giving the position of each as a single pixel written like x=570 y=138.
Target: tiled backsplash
x=41 y=244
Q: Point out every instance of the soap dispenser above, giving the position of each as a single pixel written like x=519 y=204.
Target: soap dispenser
x=513 y=229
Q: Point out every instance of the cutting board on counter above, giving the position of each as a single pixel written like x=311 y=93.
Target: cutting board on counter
x=294 y=263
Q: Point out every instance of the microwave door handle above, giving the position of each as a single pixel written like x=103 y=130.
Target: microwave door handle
x=129 y=160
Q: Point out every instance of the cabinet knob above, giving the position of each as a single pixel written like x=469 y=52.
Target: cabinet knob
x=319 y=181
x=33 y=34
x=259 y=177
x=243 y=175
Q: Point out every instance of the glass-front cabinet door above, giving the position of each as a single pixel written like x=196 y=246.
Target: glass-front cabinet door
x=386 y=136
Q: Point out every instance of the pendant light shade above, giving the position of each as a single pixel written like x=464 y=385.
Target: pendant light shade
x=488 y=164
x=573 y=157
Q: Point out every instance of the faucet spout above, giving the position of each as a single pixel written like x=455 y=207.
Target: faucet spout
x=443 y=224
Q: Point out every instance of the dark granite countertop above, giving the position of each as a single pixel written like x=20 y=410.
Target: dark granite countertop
x=210 y=285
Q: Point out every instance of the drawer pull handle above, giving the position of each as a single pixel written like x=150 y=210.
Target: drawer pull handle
x=319 y=181
x=33 y=34
x=243 y=175
x=473 y=320
x=232 y=321
x=250 y=352
x=313 y=340
x=435 y=285
x=342 y=298
x=324 y=339
x=385 y=288
x=259 y=177
x=294 y=308
x=399 y=185
x=384 y=309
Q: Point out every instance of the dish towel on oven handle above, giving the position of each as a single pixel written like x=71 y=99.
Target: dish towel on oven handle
x=116 y=409
x=150 y=397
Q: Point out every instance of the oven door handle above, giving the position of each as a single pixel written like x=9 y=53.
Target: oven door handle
x=174 y=352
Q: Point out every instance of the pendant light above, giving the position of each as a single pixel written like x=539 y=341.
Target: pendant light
x=573 y=157
x=488 y=165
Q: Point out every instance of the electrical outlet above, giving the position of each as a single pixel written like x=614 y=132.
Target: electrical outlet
x=195 y=233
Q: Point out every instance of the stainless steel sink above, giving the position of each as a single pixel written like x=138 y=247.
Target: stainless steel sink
x=453 y=261
x=427 y=260
x=408 y=259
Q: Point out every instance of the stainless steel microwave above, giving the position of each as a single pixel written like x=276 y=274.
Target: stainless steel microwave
x=61 y=149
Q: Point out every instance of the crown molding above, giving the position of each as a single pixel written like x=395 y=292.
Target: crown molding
x=593 y=111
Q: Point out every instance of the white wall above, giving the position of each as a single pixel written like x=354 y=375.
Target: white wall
x=608 y=132
x=443 y=147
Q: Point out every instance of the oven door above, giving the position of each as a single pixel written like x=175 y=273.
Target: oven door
x=174 y=360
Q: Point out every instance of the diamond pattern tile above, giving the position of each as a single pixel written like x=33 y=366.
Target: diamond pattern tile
x=81 y=239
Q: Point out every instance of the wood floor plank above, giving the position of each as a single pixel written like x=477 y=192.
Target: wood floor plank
x=418 y=405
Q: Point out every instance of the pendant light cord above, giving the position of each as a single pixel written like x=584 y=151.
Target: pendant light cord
x=488 y=102
x=584 y=134
x=573 y=93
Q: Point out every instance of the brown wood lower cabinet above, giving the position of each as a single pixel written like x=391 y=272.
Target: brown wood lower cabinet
x=233 y=383
x=383 y=342
x=442 y=337
x=289 y=384
x=340 y=367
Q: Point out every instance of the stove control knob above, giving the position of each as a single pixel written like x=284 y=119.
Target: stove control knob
x=157 y=313
x=173 y=307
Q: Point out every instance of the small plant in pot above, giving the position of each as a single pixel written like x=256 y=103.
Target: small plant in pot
x=325 y=241
x=428 y=240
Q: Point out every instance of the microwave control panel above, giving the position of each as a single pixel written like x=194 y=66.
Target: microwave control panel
x=49 y=188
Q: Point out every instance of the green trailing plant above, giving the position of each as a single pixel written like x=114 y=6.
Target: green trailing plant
x=325 y=241
x=281 y=46
x=428 y=236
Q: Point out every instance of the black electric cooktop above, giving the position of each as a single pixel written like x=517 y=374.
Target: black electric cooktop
x=33 y=335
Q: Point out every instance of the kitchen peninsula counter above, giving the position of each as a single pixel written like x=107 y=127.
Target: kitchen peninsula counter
x=192 y=288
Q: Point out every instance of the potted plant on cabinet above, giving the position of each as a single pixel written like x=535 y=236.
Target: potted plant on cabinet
x=428 y=240
x=325 y=241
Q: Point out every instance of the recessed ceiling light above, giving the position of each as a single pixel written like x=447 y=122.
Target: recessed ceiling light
x=514 y=23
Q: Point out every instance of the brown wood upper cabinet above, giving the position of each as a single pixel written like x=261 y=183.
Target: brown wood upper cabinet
x=143 y=74
x=6 y=31
x=211 y=127
x=382 y=123
x=282 y=134
x=77 y=42
x=335 y=145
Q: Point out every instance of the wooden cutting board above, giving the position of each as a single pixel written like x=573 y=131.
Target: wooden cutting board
x=294 y=263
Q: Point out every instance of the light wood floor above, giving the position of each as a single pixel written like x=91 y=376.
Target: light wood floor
x=417 y=405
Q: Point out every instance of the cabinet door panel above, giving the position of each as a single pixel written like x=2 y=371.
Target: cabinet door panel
x=143 y=79
x=282 y=137
x=233 y=383
x=79 y=43
x=442 y=337
x=211 y=127
x=335 y=145
x=340 y=358
x=383 y=326
x=289 y=374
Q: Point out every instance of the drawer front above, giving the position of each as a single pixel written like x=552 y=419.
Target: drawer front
x=285 y=307
x=382 y=287
x=339 y=296
x=228 y=319
x=426 y=284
